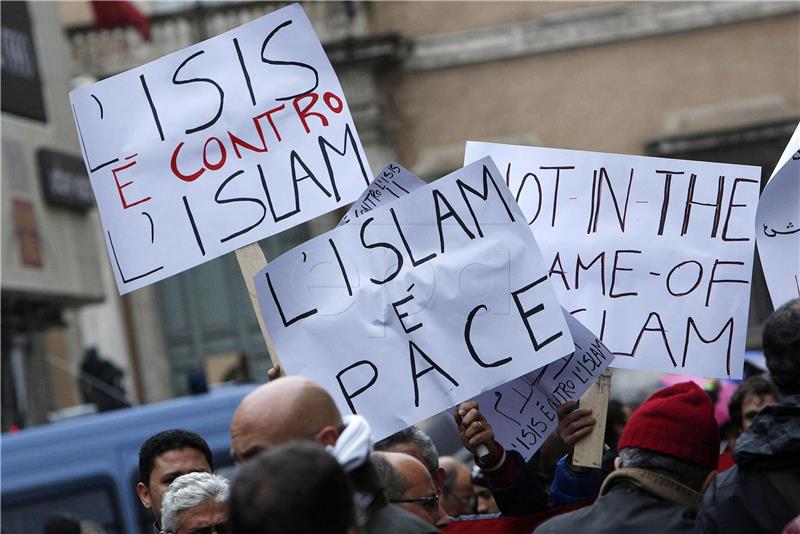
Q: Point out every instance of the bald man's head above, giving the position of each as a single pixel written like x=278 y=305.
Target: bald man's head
x=410 y=485
x=287 y=409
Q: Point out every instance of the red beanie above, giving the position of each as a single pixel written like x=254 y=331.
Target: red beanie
x=677 y=421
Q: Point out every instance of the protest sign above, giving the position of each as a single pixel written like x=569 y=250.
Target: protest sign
x=391 y=183
x=420 y=305
x=523 y=412
x=216 y=146
x=778 y=226
x=578 y=370
x=654 y=255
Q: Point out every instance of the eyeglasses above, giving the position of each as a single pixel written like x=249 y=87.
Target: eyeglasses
x=431 y=503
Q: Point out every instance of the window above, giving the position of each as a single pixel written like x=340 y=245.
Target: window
x=88 y=499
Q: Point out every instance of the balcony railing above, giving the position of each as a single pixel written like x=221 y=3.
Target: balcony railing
x=103 y=53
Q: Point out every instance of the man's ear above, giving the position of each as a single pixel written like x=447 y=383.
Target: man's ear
x=438 y=479
x=327 y=436
x=144 y=494
x=617 y=463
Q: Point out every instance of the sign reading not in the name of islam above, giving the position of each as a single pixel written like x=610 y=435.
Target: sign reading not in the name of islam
x=654 y=255
x=419 y=304
x=216 y=146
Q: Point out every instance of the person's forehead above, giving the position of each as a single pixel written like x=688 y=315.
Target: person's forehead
x=420 y=481
x=209 y=512
x=752 y=399
x=185 y=460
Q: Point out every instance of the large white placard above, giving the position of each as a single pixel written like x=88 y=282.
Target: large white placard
x=654 y=255
x=778 y=226
x=524 y=412
x=218 y=145
x=422 y=304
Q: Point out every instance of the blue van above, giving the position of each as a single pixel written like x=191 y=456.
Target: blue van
x=89 y=467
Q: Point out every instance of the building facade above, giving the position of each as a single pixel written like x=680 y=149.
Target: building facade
x=713 y=81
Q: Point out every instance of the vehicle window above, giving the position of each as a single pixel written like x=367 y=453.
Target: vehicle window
x=88 y=500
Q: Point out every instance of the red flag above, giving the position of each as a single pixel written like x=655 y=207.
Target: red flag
x=523 y=524
x=116 y=13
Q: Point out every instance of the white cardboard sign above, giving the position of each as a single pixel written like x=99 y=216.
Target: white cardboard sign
x=523 y=412
x=216 y=146
x=420 y=305
x=778 y=226
x=652 y=254
x=393 y=182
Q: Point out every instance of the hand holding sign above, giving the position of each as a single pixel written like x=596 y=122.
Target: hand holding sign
x=430 y=300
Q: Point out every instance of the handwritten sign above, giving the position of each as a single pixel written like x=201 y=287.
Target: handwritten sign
x=654 y=255
x=778 y=226
x=523 y=412
x=218 y=145
x=421 y=304
x=393 y=182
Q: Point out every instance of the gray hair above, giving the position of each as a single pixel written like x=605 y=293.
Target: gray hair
x=413 y=434
x=684 y=472
x=188 y=491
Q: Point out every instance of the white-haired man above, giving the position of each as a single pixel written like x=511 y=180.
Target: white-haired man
x=195 y=502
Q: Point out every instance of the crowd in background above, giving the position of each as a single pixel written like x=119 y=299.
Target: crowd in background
x=668 y=466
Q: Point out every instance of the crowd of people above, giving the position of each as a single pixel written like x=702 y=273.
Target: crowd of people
x=305 y=468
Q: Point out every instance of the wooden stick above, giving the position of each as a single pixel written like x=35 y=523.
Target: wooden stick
x=589 y=451
x=251 y=260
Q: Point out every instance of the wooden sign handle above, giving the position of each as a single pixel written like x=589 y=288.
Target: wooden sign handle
x=589 y=451
x=251 y=260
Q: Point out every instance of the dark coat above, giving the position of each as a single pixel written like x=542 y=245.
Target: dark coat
x=626 y=507
x=742 y=499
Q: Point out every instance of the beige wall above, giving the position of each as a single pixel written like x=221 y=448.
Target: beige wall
x=414 y=19
x=605 y=98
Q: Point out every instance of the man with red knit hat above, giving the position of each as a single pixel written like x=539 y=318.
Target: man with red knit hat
x=667 y=455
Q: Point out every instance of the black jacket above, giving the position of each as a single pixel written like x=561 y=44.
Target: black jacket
x=742 y=499
x=632 y=501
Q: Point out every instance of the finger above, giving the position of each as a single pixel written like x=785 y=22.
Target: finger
x=465 y=407
x=575 y=415
x=566 y=408
x=474 y=429
x=580 y=425
x=457 y=417
x=472 y=416
x=579 y=435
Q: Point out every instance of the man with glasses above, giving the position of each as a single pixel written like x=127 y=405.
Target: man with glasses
x=409 y=485
x=196 y=504
x=458 y=496
x=294 y=408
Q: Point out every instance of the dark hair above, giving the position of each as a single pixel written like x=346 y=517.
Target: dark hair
x=296 y=488
x=413 y=434
x=169 y=440
x=686 y=473
x=757 y=386
x=61 y=524
x=781 y=343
